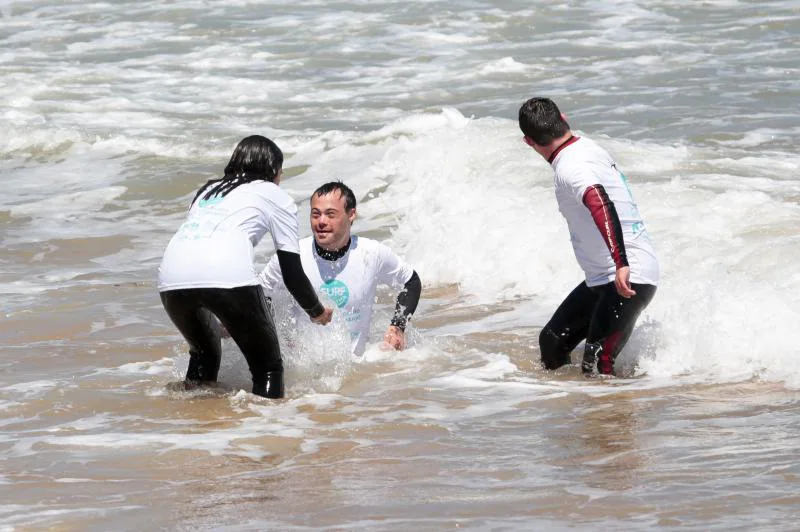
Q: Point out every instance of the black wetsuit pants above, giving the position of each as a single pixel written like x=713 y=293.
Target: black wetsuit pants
x=598 y=315
x=243 y=312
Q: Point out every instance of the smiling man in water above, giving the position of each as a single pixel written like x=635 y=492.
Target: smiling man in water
x=348 y=268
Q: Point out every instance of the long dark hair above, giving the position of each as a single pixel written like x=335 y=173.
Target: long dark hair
x=255 y=158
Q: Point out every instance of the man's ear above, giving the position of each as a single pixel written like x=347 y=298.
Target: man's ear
x=352 y=215
x=529 y=141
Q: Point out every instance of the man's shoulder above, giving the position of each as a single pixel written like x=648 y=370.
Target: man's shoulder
x=586 y=149
x=306 y=247
x=368 y=252
x=357 y=241
x=580 y=160
x=364 y=245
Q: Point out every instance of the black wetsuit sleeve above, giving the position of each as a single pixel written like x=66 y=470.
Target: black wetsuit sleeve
x=407 y=301
x=298 y=284
x=605 y=218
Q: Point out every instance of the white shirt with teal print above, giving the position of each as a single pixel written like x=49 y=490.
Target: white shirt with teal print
x=213 y=248
x=350 y=282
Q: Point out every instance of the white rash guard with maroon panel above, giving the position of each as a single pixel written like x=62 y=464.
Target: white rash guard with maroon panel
x=577 y=165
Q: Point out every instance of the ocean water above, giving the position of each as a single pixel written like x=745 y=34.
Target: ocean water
x=114 y=112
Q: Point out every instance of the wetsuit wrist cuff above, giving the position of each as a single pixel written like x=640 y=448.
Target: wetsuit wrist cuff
x=399 y=322
x=316 y=310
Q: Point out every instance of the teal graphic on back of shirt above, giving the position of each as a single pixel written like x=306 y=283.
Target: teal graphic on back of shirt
x=337 y=291
x=637 y=227
x=624 y=182
x=200 y=224
x=210 y=201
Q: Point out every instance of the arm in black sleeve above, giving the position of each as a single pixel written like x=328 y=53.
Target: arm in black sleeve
x=407 y=301
x=298 y=284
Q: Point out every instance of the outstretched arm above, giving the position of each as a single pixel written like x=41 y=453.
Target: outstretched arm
x=406 y=304
x=300 y=287
x=606 y=219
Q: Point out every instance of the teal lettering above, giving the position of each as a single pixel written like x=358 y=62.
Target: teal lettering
x=337 y=291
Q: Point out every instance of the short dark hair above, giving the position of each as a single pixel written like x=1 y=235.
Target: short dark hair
x=541 y=120
x=344 y=190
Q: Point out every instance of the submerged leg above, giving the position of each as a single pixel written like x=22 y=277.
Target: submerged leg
x=611 y=326
x=567 y=327
x=200 y=329
x=244 y=314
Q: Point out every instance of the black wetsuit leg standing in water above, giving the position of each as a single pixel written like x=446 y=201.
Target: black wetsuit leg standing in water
x=243 y=312
x=598 y=315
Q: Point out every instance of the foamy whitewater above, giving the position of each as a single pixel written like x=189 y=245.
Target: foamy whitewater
x=114 y=113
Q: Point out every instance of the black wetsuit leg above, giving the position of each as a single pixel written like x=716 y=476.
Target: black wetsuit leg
x=568 y=327
x=611 y=325
x=243 y=312
x=198 y=326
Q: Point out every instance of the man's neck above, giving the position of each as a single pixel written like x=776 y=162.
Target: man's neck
x=332 y=254
x=552 y=149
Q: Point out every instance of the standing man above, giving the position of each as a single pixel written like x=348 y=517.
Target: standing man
x=609 y=239
x=348 y=268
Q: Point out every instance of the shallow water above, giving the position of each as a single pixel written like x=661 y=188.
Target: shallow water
x=115 y=112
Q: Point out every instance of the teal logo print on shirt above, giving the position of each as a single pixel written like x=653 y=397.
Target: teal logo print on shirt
x=337 y=291
x=210 y=201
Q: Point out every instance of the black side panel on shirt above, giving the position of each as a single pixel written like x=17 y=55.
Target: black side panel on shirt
x=407 y=301
x=298 y=284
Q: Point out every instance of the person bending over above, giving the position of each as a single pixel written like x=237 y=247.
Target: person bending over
x=207 y=269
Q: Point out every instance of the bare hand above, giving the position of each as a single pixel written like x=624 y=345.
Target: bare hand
x=622 y=282
x=394 y=338
x=325 y=317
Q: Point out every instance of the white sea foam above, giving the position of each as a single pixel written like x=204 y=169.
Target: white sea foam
x=29 y=389
x=163 y=366
x=505 y=65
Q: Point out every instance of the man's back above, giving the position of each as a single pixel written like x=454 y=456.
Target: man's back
x=578 y=167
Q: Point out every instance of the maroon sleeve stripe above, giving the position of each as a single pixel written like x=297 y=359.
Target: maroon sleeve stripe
x=605 y=218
